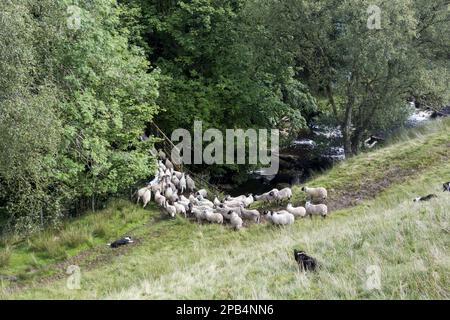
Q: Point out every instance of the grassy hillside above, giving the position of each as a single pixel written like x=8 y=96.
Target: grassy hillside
x=373 y=223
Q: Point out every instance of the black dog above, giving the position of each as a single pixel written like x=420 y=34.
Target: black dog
x=446 y=186
x=425 y=198
x=121 y=242
x=304 y=261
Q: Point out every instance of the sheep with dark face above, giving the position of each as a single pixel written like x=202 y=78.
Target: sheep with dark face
x=268 y=196
x=224 y=211
x=304 y=261
x=248 y=200
x=202 y=192
x=177 y=174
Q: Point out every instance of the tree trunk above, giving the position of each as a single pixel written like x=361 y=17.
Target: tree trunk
x=331 y=99
x=356 y=142
x=347 y=123
x=347 y=130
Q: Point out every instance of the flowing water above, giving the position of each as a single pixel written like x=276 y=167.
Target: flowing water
x=314 y=152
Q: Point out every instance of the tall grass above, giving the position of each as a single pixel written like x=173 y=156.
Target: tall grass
x=5 y=255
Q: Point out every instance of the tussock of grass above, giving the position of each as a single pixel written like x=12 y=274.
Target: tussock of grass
x=74 y=237
x=47 y=245
x=5 y=255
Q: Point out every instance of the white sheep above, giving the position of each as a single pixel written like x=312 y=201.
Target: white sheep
x=178 y=174
x=173 y=197
x=160 y=199
x=157 y=187
x=224 y=211
x=282 y=194
x=168 y=192
x=180 y=207
x=161 y=165
x=248 y=200
x=268 y=196
x=146 y=197
x=296 y=211
x=316 y=209
x=199 y=213
x=182 y=183
x=235 y=220
x=281 y=217
x=176 y=181
x=202 y=192
x=205 y=202
x=168 y=172
x=233 y=203
x=140 y=193
x=316 y=194
x=216 y=201
x=197 y=202
x=162 y=155
x=190 y=184
x=239 y=198
x=169 y=164
x=172 y=210
x=213 y=217
x=253 y=215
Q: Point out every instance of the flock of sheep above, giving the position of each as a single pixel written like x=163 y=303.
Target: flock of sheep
x=169 y=186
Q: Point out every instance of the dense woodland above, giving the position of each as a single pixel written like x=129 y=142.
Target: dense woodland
x=74 y=101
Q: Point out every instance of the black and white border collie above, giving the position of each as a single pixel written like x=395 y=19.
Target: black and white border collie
x=304 y=261
x=121 y=242
x=425 y=198
x=446 y=186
